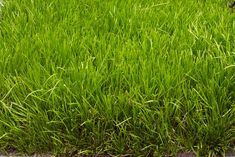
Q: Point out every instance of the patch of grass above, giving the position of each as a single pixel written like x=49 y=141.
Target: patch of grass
x=119 y=77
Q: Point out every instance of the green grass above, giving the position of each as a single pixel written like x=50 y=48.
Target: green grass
x=136 y=77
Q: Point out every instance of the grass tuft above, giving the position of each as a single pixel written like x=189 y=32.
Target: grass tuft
x=117 y=77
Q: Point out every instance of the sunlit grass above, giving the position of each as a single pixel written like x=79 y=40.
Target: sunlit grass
x=118 y=77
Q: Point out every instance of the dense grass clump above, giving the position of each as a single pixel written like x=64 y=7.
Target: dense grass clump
x=124 y=77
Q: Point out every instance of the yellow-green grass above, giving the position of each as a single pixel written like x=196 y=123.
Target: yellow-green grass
x=143 y=77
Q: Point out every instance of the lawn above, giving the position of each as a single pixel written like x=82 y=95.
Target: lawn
x=141 y=77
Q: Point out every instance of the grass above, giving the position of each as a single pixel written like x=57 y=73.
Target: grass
x=117 y=77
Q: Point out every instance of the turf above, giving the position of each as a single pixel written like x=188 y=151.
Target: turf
x=117 y=77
